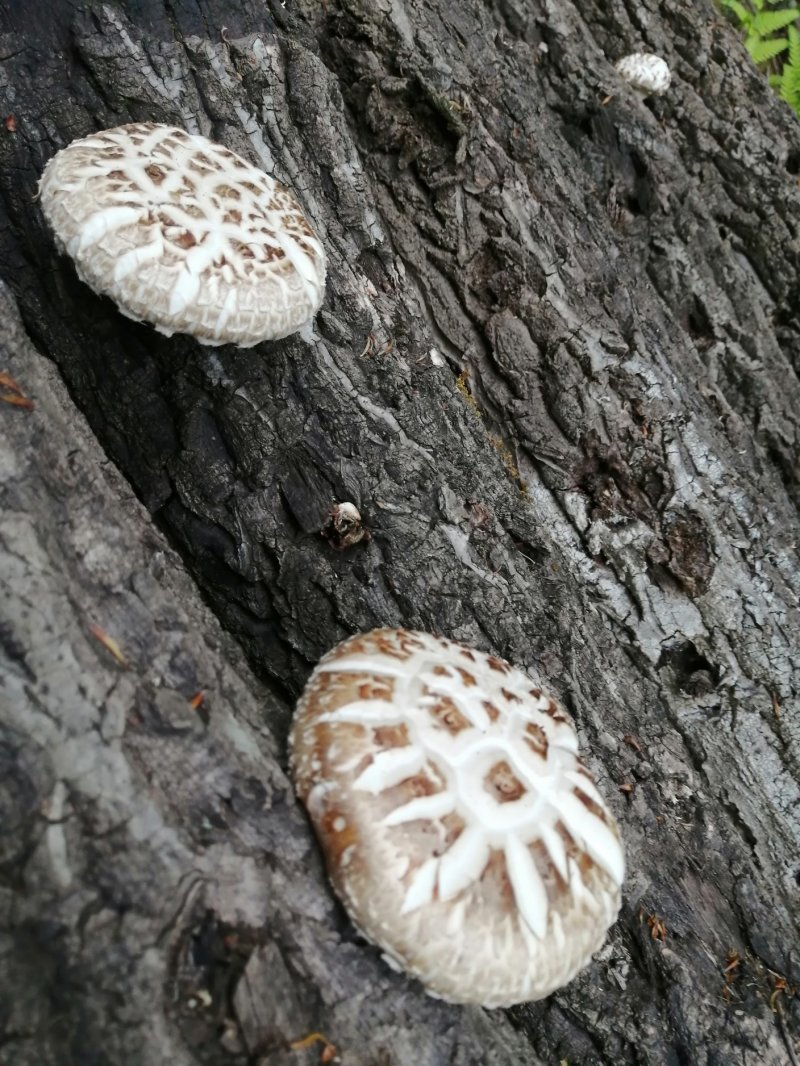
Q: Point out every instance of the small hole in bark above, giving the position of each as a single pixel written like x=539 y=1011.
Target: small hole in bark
x=793 y=162
x=639 y=200
x=698 y=322
x=695 y=675
x=208 y=963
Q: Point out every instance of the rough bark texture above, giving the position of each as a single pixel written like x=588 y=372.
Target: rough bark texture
x=556 y=369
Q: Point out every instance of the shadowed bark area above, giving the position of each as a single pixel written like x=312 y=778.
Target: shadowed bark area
x=556 y=370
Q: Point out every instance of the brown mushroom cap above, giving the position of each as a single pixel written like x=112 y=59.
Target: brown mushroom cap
x=460 y=828
x=184 y=234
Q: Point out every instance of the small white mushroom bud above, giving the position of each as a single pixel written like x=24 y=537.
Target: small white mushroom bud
x=184 y=234
x=648 y=74
x=343 y=526
x=460 y=828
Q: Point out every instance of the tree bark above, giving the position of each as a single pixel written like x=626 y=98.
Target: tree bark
x=556 y=370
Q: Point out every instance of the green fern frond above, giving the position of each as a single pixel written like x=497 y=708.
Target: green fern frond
x=794 y=47
x=759 y=27
x=762 y=51
x=790 y=90
x=789 y=81
x=744 y=16
x=767 y=22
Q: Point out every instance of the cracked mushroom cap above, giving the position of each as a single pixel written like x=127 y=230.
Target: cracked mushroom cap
x=461 y=830
x=184 y=234
x=648 y=74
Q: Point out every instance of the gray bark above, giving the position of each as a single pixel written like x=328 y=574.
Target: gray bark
x=557 y=371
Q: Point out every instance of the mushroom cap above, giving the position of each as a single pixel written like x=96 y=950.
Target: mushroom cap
x=343 y=526
x=184 y=234
x=460 y=828
x=646 y=73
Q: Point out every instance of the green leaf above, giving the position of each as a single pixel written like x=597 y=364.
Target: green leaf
x=758 y=25
x=794 y=47
x=789 y=89
x=767 y=22
x=744 y=16
x=791 y=94
x=763 y=51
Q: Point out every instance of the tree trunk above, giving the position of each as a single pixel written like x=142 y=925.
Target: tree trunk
x=556 y=370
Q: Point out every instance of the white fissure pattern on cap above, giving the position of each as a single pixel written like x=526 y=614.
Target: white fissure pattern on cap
x=647 y=73
x=400 y=730
x=184 y=234
x=465 y=760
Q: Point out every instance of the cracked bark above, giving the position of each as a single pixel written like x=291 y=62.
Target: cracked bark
x=557 y=372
